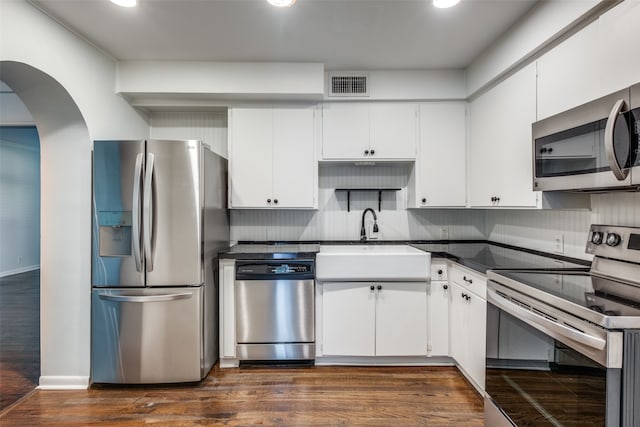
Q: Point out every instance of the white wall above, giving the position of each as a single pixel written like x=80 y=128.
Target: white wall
x=332 y=221
x=19 y=200
x=68 y=86
x=207 y=126
x=538 y=229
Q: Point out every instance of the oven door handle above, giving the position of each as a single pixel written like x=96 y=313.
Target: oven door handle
x=544 y=324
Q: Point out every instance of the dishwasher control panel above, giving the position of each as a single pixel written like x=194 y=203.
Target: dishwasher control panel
x=257 y=270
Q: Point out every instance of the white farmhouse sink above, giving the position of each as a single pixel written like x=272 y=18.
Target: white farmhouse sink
x=372 y=262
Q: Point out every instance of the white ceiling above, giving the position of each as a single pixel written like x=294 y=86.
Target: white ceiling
x=342 y=34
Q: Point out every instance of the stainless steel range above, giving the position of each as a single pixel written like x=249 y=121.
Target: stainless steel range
x=563 y=347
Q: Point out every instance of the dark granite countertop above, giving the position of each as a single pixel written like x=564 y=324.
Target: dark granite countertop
x=478 y=255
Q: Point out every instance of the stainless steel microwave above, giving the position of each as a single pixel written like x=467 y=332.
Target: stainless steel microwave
x=593 y=147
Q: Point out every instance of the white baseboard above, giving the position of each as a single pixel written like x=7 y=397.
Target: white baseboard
x=63 y=383
x=19 y=270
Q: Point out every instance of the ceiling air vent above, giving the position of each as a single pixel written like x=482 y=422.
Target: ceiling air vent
x=348 y=84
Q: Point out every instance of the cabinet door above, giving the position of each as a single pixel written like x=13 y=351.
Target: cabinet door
x=439 y=319
x=345 y=131
x=457 y=325
x=250 y=161
x=500 y=152
x=569 y=74
x=441 y=162
x=401 y=319
x=348 y=319
x=294 y=168
x=619 y=29
x=477 y=339
x=393 y=131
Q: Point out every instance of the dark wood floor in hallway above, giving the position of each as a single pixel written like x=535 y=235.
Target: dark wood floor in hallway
x=19 y=335
x=311 y=396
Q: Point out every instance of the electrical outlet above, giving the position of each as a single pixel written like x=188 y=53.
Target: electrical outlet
x=558 y=243
x=444 y=233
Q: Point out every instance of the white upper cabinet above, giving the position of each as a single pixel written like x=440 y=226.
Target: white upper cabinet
x=619 y=31
x=569 y=74
x=369 y=131
x=594 y=62
x=272 y=160
x=500 y=153
x=439 y=176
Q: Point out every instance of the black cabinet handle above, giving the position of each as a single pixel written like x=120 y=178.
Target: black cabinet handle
x=373 y=152
x=424 y=200
x=467 y=280
x=366 y=152
x=372 y=287
x=379 y=287
x=468 y=297
x=268 y=200
x=463 y=295
x=275 y=201
x=543 y=150
x=445 y=287
x=549 y=150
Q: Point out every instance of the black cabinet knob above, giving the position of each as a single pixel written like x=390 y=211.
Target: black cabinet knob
x=424 y=200
x=366 y=152
x=445 y=287
x=440 y=272
x=549 y=150
x=372 y=287
x=543 y=150
x=268 y=200
x=275 y=201
x=373 y=152
x=379 y=287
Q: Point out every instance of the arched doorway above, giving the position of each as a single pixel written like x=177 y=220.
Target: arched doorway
x=65 y=241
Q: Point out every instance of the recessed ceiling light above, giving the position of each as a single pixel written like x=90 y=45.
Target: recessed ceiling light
x=125 y=3
x=443 y=4
x=282 y=3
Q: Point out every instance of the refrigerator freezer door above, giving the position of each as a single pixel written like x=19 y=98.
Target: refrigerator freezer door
x=175 y=208
x=116 y=244
x=146 y=335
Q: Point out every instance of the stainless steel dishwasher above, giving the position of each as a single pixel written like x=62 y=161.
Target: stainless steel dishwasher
x=275 y=310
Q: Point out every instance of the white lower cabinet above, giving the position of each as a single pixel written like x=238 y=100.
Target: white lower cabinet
x=438 y=318
x=388 y=320
x=467 y=327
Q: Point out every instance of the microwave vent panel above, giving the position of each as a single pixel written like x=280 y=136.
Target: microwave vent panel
x=348 y=84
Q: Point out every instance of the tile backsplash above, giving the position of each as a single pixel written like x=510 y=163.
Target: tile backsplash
x=332 y=221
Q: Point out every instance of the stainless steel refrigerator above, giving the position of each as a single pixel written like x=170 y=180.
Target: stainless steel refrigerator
x=159 y=220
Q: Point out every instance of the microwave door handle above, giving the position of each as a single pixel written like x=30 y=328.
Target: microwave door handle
x=618 y=108
x=147 y=211
x=544 y=324
x=135 y=224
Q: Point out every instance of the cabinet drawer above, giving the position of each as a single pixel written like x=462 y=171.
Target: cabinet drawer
x=438 y=270
x=469 y=280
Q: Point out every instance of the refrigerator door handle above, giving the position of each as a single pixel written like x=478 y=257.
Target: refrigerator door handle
x=135 y=226
x=147 y=210
x=148 y=298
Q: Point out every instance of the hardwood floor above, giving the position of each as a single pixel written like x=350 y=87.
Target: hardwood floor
x=311 y=396
x=19 y=335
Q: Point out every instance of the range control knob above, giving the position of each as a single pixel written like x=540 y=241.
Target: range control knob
x=613 y=239
x=596 y=237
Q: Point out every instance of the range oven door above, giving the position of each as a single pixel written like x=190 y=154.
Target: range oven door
x=536 y=375
x=590 y=147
